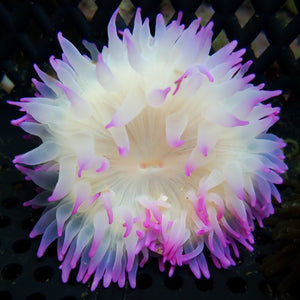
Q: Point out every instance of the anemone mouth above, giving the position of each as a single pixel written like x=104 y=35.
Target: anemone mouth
x=151 y=168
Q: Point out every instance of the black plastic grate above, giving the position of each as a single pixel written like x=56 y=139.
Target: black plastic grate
x=28 y=35
x=29 y=28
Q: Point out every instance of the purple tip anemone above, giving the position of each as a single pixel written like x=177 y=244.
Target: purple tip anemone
x=150 y=147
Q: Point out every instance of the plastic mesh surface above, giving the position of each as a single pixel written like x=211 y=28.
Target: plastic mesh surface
x=268 y=29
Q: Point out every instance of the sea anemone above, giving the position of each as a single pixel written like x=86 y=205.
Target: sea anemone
x=150 y=147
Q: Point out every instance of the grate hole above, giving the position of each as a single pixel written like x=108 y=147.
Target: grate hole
x=10 y=202
x=11 y=271
x=220 y=41
x=127 y=11
x=286 y=14
x=174 y=282
x=51 y=250
x=205 y=11
x=21 y=246
x=244 y=13
x=5 y=295
x=237 y=285
x=295 y=47
x=204 y=284
x=4 y=221
x=259 y=44
x=143 y=281
x=88 y=9
x=36 y=296
x=167 y=10
x=43 y=274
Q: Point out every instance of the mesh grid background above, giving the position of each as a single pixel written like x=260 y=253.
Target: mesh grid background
x=28 y=35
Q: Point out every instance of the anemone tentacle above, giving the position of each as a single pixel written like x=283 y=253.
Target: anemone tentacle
x=156 y=147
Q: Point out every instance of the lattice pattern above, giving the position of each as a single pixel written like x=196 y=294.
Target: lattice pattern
x=29 y=28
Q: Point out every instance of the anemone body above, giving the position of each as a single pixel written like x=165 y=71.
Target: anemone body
x=152 y=146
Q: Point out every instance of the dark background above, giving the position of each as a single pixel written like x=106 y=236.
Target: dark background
x=268 y=29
